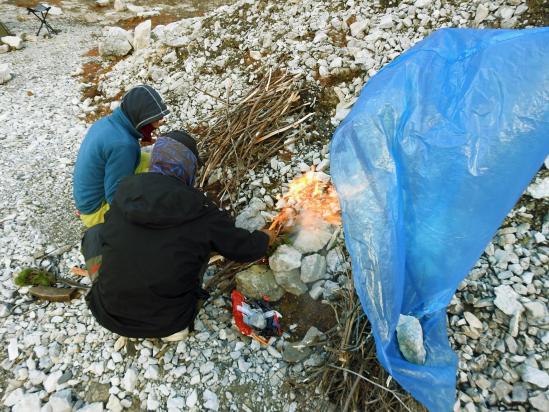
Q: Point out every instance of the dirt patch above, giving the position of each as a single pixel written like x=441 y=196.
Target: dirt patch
x=538 y=12
x=161 y=19
x=343 y=75
x=338 y=37
x=92 y=52
x=33 y=3
x=92 y=71
x=305 y=312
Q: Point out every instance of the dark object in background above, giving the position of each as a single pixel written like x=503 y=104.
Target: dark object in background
x=41 y=13
x=4 y=31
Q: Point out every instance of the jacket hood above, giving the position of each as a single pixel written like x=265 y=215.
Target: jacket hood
x=143 y=105
x=157 y=201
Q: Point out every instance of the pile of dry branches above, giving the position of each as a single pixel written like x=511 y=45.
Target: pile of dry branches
x=239 y=137
x=352 y=378
x=242 y=135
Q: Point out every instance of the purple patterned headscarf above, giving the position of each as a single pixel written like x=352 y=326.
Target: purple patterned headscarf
x=172 y=158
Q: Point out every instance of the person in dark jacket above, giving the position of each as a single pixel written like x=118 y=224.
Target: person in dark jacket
x=111 y=151
x=156 y=242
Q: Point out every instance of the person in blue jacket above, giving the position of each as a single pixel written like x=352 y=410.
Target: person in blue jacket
x=111 y=151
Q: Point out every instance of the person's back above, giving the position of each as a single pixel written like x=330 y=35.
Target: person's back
x=157 y=239
x=111 y=151
x=111 y=143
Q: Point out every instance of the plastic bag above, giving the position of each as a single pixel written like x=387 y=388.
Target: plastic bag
x=434 y=154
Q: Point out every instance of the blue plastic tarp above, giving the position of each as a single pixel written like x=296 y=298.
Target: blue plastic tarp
x=434 y=154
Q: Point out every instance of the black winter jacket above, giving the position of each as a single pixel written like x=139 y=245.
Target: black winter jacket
x=157 y=236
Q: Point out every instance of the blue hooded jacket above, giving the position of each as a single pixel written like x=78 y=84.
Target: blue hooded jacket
x=111 y=151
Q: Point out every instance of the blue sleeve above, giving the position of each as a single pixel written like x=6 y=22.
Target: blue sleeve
x=121 y=162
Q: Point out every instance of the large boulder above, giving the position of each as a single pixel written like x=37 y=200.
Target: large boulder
x=15 y=42
x=116 y=42
x=258 y=281
x=285 y=258
x=142 y=35
x=314 y=238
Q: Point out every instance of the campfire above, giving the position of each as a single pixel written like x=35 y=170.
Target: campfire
x=310 y=203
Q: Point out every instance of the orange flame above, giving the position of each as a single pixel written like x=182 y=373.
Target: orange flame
x=310 y=198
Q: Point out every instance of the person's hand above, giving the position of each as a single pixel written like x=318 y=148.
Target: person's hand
x=271 y=234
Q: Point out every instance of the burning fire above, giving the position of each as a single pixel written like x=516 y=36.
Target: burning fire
x=310 y=198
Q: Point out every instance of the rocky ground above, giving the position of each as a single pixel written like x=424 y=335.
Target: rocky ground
x=56 y=355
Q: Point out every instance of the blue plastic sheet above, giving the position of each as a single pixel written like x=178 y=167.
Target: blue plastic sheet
x=434 y=154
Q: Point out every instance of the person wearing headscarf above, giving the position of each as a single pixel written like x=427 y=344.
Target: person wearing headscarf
x=156 y=241
x=111 y=150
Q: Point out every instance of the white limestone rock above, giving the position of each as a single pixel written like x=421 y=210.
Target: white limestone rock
x=15 y=42
x=507 y=300
x=472 y=320
x=251 y=218
x=410 y=339
x=535 y=376
x=129 y=381
x=312 y=239
x=386 y=22
x=55 y=11
x=29 y=403
x=192 y=399
x=210 y=400
x=536 y=309
x=92 y=407
x=359 y=27
x=313 y=268
x=14 y=397
x=316 y=291
x=285 y=259
x=50 y=384
x=539 y=189
x=506 y=12
x=481 y=14
x=13 y=350
x=170 y=57
x=291 y=282
x=142 y=35
x=61 y=401
x=335 y=260
x=114 y=405
x=540 y=402
x=421 y=4
x=119 y=5
x=116 y=42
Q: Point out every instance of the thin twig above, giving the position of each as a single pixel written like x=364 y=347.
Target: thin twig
x=373 y=383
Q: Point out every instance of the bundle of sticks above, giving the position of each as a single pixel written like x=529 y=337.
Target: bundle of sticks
x=244 y=134
x=351 y=377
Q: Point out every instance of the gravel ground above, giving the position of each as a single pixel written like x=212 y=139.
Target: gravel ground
x=57 y=355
